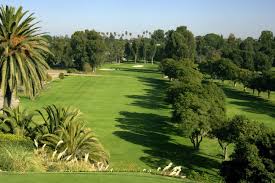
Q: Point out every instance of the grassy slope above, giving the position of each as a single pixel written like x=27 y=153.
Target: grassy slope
x=85 y=178
x=125 y=108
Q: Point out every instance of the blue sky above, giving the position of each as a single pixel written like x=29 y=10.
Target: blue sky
x=241 y=17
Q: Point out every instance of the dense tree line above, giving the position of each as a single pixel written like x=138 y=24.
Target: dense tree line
x=256 y=55
x=198 y=105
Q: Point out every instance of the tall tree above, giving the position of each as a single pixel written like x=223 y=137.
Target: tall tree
x=135 y=46
x=88 y=47
x=22 y=50
x=180 y=44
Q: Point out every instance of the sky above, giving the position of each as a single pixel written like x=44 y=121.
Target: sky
x=63 y=17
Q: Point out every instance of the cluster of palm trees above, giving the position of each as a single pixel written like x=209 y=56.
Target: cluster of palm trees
x=126 y=34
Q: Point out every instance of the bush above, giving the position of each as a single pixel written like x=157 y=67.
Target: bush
x=72 y=70
x=198 y=176
x=16 y=121
x=16 y=154
x=49 y=78
x=64 y=130
x=61 y=75
x=87 y=67
x=15 y=140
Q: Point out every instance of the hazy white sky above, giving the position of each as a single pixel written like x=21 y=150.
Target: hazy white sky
x=241 y=17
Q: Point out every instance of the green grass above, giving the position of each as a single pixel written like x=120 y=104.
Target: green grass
x=258 y=108
x=85 y=178
x=126 y=110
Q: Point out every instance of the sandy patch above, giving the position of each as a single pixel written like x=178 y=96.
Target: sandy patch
x=138 y=66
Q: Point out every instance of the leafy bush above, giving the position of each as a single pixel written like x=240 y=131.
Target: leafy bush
x=61 y=75
x=11 y=139
x=87 y=67
x=16 y=121
x=197 y=176
x=49 y=78
x=72 y=70
x=64 y=131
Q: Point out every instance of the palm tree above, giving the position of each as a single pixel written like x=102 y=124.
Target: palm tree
x=22 y=53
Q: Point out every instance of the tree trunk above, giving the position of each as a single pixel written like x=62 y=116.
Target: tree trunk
x=268 y=94
x=244 y=88
x=135 y=59
x=7 y=97
x=225 y=153
x=259 y=92
x=224 y=146
x=152 y=60
x=253 y=91
x=196 y=140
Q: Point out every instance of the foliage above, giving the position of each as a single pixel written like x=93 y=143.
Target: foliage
x=229 y=131
x=64 y=131
x=253 y=158
x=61 y=75
x=169 y=68
x=16 y=154
x=15 y=140
x=16 y=121
x=197 y=107
x=88 y=47
x=22 y=53
x=180 y=44
x=87 y=67
x=72 y=70
x=62 y=51
x=49 y=78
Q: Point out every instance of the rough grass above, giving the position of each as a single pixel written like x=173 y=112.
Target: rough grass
x=125 y=108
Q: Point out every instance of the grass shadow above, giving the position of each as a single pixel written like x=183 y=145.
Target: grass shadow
x=250 y=103
x=154 y=132
x=154 y=96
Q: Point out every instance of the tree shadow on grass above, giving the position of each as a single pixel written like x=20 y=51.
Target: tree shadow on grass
x=154 y=132
x=154 y=96
x=250 y=103
x=141 y=70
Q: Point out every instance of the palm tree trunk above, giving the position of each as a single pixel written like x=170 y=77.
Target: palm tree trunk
x=7 y=97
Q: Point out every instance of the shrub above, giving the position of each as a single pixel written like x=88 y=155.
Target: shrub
x=61 y=75
x=72 y=70
x=16 y=154
x=198 y=176
x=87 y=67
x=11 y=139
x=16 y=121
x=64 y=132
x=49 y=78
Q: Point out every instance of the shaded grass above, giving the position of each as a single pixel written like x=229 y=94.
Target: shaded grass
x=258 y=108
